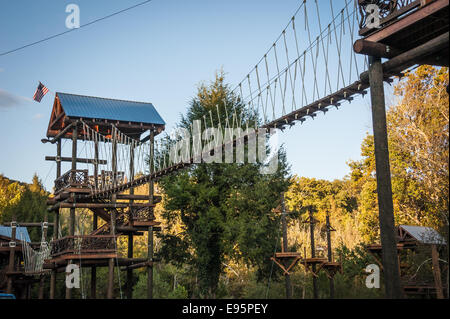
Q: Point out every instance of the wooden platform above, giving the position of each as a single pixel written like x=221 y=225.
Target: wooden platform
x=409 y=35
x=286 y=260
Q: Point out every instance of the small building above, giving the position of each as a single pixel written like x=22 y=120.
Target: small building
x=21 y=281
x=418 y=249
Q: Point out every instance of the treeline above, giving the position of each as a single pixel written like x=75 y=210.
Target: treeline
x=25 y=202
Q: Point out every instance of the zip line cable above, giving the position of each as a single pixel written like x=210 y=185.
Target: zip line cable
x=81 y=26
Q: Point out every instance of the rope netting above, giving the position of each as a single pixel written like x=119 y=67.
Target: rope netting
x=34 y=259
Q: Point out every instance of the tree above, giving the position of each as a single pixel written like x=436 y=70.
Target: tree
x=27 y=202
x=418 y=133
x=223 y=209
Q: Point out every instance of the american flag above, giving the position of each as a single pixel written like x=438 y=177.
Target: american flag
x=40 y=92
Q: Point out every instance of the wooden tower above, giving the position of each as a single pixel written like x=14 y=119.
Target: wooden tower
x=117 y=123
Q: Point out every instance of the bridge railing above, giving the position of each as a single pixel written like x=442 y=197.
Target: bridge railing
x=83 y=244
x=143 y=214
x=388 y=10
x=73 y=178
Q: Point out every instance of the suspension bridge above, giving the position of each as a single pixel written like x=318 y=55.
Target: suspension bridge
x=312 y=67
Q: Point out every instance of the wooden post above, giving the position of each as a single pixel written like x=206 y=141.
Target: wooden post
x=437 y=272
x=330 y=253
x=129 y=285
x=94 y=223
x=110 y=291
x=56 y=227
x=150 y=229
x=42 y=277
x=384 y=187
x=285 y=247
x=313 y=251
x=12 y=255
x=58 y=175
x=72 y=210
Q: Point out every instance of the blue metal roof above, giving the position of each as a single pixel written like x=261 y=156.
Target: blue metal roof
x=21 y=233
x=109 y=109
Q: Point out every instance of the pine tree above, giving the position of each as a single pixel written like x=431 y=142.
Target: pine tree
x=224 y=209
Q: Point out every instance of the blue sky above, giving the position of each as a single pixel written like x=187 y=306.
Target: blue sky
x=158 y=53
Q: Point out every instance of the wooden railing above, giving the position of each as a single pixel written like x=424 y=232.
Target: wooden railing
x=143 y=214
x=73 y=178
x=83 y=244
x=388 y=11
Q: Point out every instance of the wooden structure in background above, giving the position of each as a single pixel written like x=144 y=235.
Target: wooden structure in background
x=287 y=260
x=123 y=213
x=409 y=32
x=14 y=278
x=315 y=264
x=412 y=239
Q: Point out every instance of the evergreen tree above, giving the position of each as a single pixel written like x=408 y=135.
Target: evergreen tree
x=224 y=209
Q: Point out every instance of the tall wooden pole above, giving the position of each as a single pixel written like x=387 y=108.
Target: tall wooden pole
x=94 y=223
x=56 y=227
x=436 y=272
x=313 y=251
x=129 y=285
x=12 y=255
x=330 y=253
x=384 y=187
x=72 y=210
x=287 y=278
x=58 y=175
x=110 y=291
x=42 y=278
x=150 y=229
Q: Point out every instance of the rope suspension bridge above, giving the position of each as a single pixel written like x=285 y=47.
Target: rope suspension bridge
x=300 y=76
x=313 y=66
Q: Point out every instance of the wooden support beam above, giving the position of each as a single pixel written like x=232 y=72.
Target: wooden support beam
x=411 y=57
x=56 y=119
x=56 y=229
x=377 y=49
x=110 y=288
x=156 y=199
x=150 y=228
x=72 y=210
x=383 y=175
x=436 y=272
x=140 y=265
x=285 y=247
x=62 y=133
x=313 y=251
x=12 y=255
x=329 y=253
x=102 y=205
x=31 y=224
x=79 y=160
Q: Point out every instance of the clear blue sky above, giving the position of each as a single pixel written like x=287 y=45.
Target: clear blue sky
x=158 y=53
